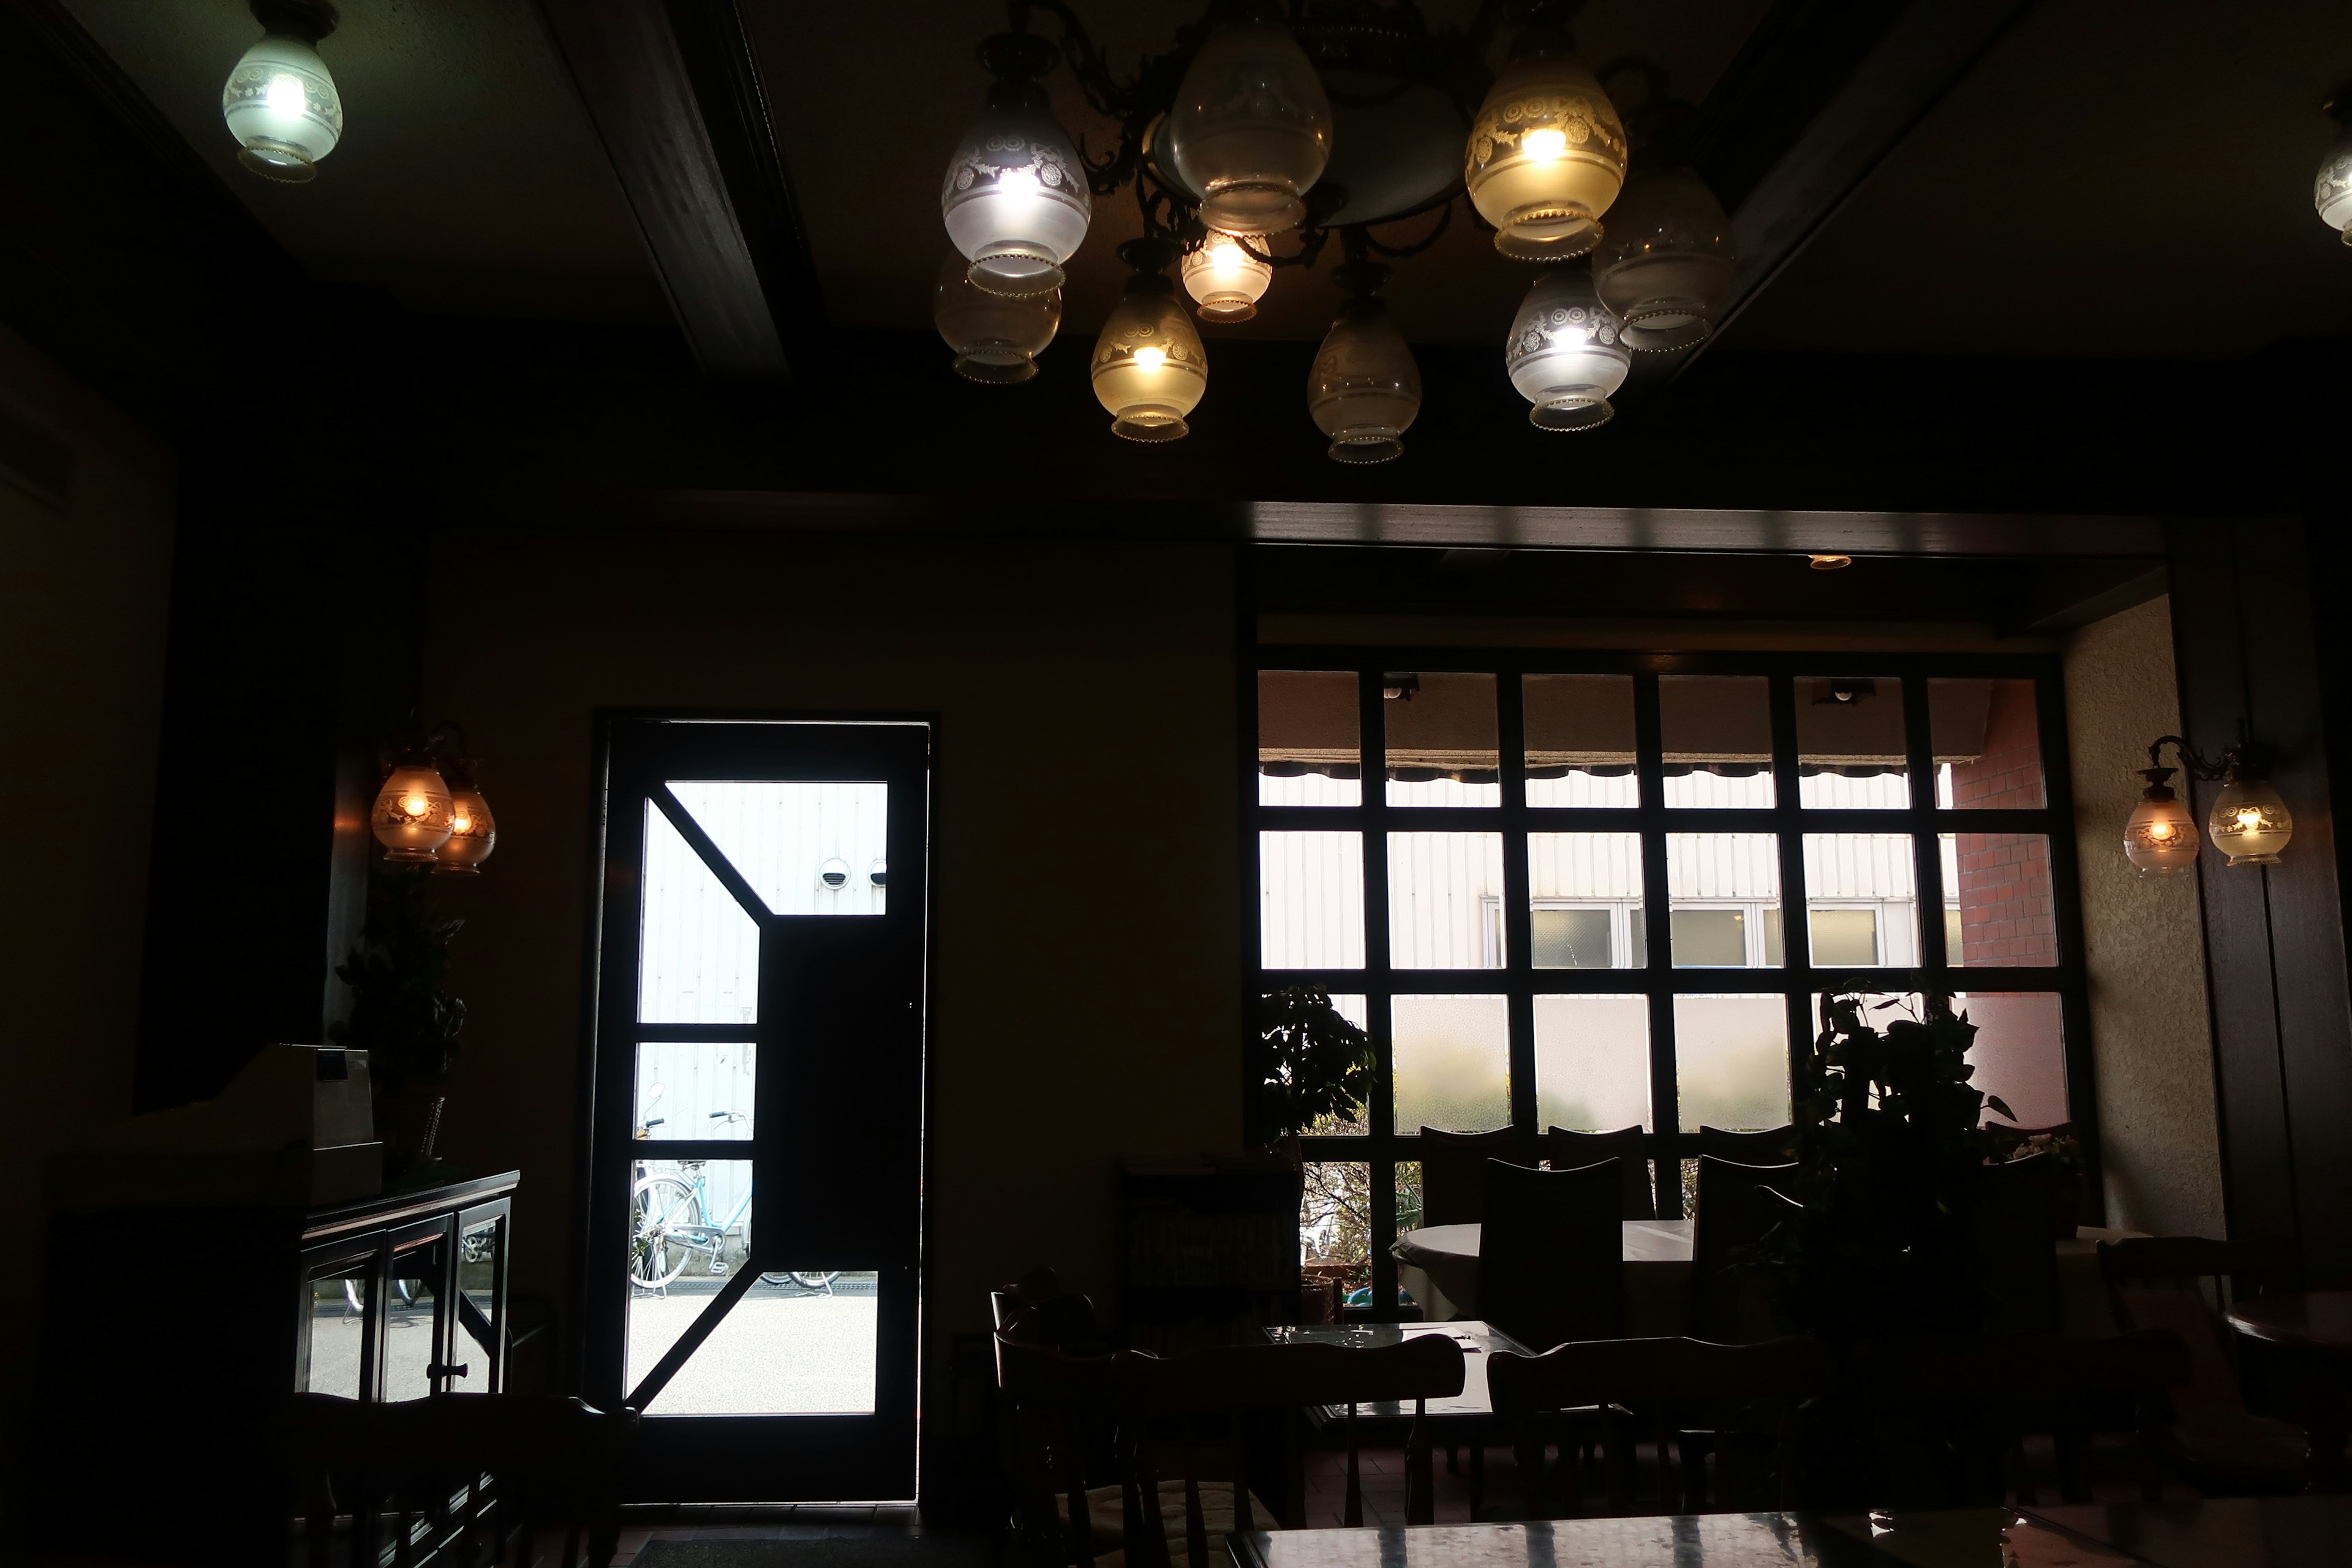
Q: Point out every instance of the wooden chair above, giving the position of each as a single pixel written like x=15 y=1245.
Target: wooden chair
x=1038 y=1309
x=1773 y=1146
x=1551 y=1256
x=1570 y=1151
x=1454 y=1171
x=1729 y=1301
x=458 y=1466
x=1664 y=1387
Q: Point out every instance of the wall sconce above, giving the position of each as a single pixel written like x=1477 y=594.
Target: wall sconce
x=2250 y=823
x=430 y=812
x=280 y=100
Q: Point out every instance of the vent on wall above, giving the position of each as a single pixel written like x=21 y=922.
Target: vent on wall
x=34 y=461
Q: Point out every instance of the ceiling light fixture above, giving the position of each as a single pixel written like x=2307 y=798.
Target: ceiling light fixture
x=1148 y=368
x=1015 y=198
x=430 y=810
x=1665 y=264
x=996 y=337
x=1225 y=277
x=280 y=100
x=1547 y=153
x=1364 y=389
x=1566 y=353
x=1250 y=129
x=2249 y=821
x=2332 y=192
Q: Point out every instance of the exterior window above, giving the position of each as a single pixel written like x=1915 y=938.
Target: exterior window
x=1489 y=912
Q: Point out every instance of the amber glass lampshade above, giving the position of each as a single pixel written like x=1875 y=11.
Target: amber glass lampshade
x=1547 y=152
x=473 y=831
x=1149 y=367
x=412 y=816
x=2161 y=838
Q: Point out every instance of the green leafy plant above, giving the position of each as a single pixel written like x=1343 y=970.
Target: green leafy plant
x=401 y=1013
x=1317 y=1063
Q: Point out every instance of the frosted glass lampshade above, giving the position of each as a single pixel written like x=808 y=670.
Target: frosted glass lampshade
x=1567 y=354
x=1015 y=196
x=2161 y=838
x=281 y=105
x=2332 y=192
x=1364 y=389
x=1149 y=367
x=412 y=816
x=1251 y=128
x=1225 y=280
x=473 y=833
x=1664 y=266
x=2249 y=822
x=996 y=337
x=1547 y=152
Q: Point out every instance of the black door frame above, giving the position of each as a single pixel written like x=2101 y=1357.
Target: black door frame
x=872 y=1172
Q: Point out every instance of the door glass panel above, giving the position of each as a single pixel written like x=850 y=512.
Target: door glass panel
x=1859 y=894
x=800 y=1342
x=411 y=1319
x=337 y=1327
x=699 y=954
x=689 y=1228
x=696 y=1089
x=1580 y=739
x=1998 y=886
x=1850 y=744
x=1442 y=745
x=807 y=847
x=1452 y=1063
x=1592 y=1062
x=1445 y=901
x=1987 y=737
x=1587 y=892
x=1310 y=900
x=1718 y=732
x=1310 y=751
x=1732 y=1062
x=1725 y=893
x=477 y=1268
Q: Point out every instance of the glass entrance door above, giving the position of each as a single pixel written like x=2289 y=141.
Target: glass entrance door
x=755 y=1224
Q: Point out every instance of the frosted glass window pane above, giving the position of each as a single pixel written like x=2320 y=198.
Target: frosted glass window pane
x=1453 y=1062
x=1308 y=747
x=1442 y=745
x=1998 y=884
x=1592 y=1062
x=1860 y=890
x=807 y=847
x=1851 y=748
x=1732 y=1062
x=1586 y=889
x=1310 y=900
x=1986 y=737
x=696 y=1090
x=1717 y=733
x=2019 y=1054
x=1726 y=900
x=698 y=952
x=1844 y=938
x=1580 y=739
x=1445 y=901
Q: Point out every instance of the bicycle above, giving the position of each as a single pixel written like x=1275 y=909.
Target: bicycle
x=669 y=1221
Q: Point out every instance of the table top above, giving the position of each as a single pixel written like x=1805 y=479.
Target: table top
x=1477 y=1340
x=2318 y=1318
x=1647 y=1241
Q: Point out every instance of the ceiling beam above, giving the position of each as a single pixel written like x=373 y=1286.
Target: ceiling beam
x=676 y=98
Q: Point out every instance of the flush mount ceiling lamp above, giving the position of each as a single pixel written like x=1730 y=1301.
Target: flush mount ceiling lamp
x=1567 y=351
x=2249 y=821
x=1364 y=389
x=996 y=337
x=1547 y=153
x=430 y=810
x=280 y=100
x=1665 y=264
x=1148 y=370
x=1015 y=198
x=2332 y=192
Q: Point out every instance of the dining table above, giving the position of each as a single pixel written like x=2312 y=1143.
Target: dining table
x=2311 y=1331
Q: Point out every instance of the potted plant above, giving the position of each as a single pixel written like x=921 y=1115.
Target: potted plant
x=402 y=1016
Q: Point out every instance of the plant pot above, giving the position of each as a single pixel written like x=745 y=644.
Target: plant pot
x=408 y=1125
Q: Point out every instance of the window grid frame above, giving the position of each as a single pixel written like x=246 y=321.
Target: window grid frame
x=1383 y=1147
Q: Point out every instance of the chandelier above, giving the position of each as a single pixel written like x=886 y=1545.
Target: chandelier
x=1272 y=126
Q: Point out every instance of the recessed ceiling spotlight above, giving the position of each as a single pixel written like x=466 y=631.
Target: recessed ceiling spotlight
x=1830 y=562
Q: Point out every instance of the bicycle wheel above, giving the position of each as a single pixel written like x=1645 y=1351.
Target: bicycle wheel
x=821 y=1281
x=658 y=1206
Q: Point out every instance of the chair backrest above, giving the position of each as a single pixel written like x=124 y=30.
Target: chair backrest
x=1668 y=1385
x=2017 y=1257
x=1454 y=1172
x=1567 y=1151
x=550 y=1461
x=1728 y=1300
x=1773 y=1146
x=1552 y=1253
x=1060 y=1412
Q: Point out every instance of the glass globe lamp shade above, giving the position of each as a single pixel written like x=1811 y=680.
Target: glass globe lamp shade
x=1015 y=196
x=281 y=105
x=473 y=833
x=2331 y=193
x=2161 y=837
x=412 y=816
x=996 y=337
x=1149 y=367
x=1225 y=281
x=2249 y=822
x=1364 y=389
x=1250 y=129
x=1664 y=265
x=1567 y=353
x=1547 y=153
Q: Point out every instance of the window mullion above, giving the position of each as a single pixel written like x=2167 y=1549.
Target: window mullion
x=1796 y=896
x=1657 y=978
x=1519 y=922
x=1927 y=847
x=1380 y=1114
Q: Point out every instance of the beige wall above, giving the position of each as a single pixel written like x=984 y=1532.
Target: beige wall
x=85 y=588
x=2142 y=939
x=1086 y=1000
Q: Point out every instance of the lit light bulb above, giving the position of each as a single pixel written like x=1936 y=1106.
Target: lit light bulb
x=1151 y=356
x=416 y=804
x=1547 y=145
x=2159 y=831
x=461 y=823
x=1225 y=280
x=286 y=95
x=280 y=102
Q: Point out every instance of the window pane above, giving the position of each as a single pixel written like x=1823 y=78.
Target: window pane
x=1352 y=1008
x=338 y=1325
x=700 y=1090
x=1732 y=1062
x=1587 y=892
x=2020 y=1055
x=799 y=1344
x=1861 y=892
x=1308 y=747
x=698 y=952
x=1334 y=1219
x=1850 y=744
x=1310 y=900
x=808 y=848
x=1579 y=740
x=1988 y=742
x=409 y=1322
x=1718 y=731
x=1726 y=900
x=1998 y=884
x=1445 y=901
x=1408 y=1195
x=1453 y=1060
x=1592 y=1063
x=1442 y=741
